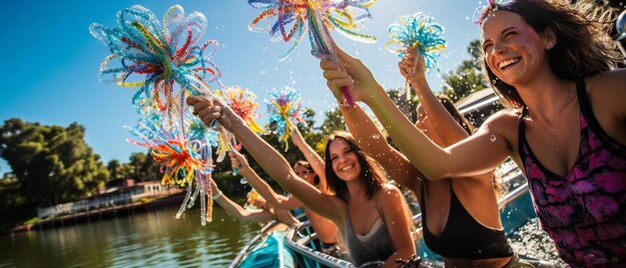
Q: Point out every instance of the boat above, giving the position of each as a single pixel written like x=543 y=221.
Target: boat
x=266 y=249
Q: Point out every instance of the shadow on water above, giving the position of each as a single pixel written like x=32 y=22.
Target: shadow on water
x=152 y=238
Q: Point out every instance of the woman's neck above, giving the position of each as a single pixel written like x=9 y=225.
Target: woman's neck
x=357 y=189
x=546 y=96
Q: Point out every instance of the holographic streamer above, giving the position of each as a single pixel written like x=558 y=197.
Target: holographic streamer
x=420 y=33
x=417 y=32
x=185 y=158
x=284 y=108
x=168 y=63
x=242 y=101
x=165 y=56
x=316 y=17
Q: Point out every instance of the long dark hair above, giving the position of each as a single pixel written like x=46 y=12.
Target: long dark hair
x=458 y=117
x=372 y=173
x=583 y=43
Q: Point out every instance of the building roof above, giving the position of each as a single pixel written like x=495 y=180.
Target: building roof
x=477 y=99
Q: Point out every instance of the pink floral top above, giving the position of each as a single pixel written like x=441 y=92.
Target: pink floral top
x=584 y=212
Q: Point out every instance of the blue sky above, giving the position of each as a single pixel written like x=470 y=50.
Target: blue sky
x=51 y=61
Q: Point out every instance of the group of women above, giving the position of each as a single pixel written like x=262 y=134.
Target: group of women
x=555 y=65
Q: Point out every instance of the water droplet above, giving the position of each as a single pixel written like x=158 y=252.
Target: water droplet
x=492 y=138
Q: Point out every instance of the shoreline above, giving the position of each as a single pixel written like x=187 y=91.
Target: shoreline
x=96 y=214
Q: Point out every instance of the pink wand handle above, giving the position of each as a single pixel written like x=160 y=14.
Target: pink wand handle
x=345 y=90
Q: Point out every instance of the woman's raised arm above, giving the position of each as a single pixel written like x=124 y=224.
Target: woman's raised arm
x=269 y=159
x=473 y=156
x=375 y=145
x=236 y=211
x=237 y=160
x=315 y=160
x=449 y=130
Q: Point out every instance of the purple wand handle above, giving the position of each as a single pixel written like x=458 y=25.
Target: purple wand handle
x=345 y=90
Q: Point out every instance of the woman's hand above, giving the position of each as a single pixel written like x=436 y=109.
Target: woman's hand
x=412 y=64
x=350 y=72
x=238 y=160
x=297 y=138
x=208 y=109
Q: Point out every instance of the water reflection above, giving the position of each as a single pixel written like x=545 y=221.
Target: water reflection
x=153 y=238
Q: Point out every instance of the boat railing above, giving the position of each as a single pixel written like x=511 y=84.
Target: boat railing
x=256 y=239
x=296 y=242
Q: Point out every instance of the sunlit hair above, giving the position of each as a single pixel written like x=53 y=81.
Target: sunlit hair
x=371 y=172
x=458 y=117
x=583 y=43
x=305 y=164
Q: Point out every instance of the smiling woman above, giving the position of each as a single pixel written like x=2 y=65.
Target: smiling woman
x=363 y=208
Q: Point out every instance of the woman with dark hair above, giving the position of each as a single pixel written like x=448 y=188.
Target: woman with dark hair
x=552 y=61
x=462 y=210
x=371 y=215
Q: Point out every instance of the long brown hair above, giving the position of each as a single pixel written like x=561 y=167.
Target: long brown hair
x=456 y=114
x=583 y=43
x=371 y=171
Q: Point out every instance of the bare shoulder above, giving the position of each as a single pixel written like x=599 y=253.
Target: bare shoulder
x=607 y=91
x=504 y=123
x=390 y=194
x=608 y=79
x=504 y=117
x=607 y=85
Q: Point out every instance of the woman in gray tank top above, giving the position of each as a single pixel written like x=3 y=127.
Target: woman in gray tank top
x=361 y=200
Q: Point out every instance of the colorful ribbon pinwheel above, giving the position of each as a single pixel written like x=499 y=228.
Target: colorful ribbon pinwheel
x=166 y=58
x=243 y=104
x=183 y=156
x=284 y=108
x=420 y=33
x=316 y=17
x=417 y=32
x=175 y=66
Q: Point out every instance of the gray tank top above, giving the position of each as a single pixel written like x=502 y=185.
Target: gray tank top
x=378 y=247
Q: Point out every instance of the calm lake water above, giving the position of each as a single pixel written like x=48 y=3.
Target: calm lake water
x=152 y=238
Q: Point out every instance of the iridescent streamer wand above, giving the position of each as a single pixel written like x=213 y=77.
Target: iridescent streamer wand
x=418 y=33
x=323 y=46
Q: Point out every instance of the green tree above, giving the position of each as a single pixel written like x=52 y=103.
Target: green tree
x=334 y=121
x=51 y=164
x=150 y=169
x=137 y=160
x=468 y=77
x=114 y=169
